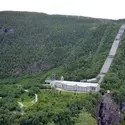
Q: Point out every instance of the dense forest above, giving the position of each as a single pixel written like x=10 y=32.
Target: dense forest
x=33 y=46
x=33 y=42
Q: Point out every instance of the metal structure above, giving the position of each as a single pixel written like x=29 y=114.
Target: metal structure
x=112 y=53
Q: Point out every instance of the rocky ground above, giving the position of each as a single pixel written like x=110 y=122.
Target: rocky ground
x=108 y=112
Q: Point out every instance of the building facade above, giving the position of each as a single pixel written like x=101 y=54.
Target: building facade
x=75 y=86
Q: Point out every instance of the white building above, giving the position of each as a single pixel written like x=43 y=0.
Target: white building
x=75 y=86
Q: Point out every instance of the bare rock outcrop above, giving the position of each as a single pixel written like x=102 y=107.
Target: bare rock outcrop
x=108 y=112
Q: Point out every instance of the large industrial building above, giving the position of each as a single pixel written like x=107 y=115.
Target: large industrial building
x=75 y=86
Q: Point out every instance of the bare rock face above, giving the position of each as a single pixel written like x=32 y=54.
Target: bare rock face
x=122 y=107
x=108 y=112
x=38 y=66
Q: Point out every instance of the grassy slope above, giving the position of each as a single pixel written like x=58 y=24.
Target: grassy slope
x=55 y=101
x=50 y=102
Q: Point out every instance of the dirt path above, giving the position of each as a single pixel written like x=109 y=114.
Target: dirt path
x=21 y=107
x=36 y=98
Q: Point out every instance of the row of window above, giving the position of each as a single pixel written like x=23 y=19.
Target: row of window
x=74 y=88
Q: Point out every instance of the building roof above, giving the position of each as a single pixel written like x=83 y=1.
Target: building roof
x=72 y=83
x=92 y=79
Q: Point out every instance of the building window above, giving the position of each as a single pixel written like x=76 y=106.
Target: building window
x=93 y=88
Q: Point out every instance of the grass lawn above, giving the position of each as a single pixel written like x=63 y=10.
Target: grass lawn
x=55 y=101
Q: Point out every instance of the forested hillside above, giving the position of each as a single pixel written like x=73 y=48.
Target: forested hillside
x=33 y=46
x=33 y=42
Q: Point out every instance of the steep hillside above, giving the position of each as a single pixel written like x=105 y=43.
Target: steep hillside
x=33 y=46
x=33 y=42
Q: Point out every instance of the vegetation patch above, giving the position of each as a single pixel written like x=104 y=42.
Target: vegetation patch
x=26 y=100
